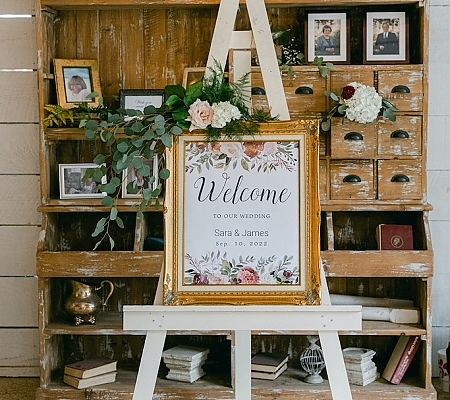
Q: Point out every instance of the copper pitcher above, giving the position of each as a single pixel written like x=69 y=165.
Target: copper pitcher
x=84 y=304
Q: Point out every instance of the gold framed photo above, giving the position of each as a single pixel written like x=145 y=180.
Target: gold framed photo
x=242 y=223
x=76 y=79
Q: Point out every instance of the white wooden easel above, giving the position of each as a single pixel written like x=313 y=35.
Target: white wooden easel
x=156 y=320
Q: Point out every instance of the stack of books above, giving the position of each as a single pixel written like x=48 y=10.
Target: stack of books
x=361 y=370
x=401 y=358
x=185 y=363
x=268 y=365
x=90 y=372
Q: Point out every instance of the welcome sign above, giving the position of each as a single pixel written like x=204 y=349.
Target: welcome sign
x=244 y=218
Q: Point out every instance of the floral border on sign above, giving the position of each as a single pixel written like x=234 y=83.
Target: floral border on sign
x=258 y=156
x=213 y=268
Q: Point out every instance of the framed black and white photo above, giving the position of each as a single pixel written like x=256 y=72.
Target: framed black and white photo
x=138 y=99
x=134 y=182
x=328 y=37
x=386 y=38
x=75 y=80
x=72 y=185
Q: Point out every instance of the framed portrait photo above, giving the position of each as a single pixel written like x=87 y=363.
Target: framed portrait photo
x=75 y=79
x=243 y=221
x=386 y=38
x=71 y=184
x=133 y=182
x=138 y=99
x=328 y=37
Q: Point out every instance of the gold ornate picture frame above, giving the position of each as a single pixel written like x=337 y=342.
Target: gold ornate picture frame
x=75 y=79
x=242 y=224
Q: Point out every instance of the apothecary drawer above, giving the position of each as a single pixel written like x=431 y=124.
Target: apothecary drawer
x=350 y=139
x=403 y=88
x=399 y=179
x=323 y=178
x=400 y=138
x=352 y=180
x=339 y=79
x=304 y=92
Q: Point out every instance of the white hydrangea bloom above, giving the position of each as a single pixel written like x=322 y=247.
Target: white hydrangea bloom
x=365 y=105
x=224 y=112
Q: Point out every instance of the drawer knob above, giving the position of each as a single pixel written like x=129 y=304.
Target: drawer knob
x=353 y=136
x=400 y=178
x=400 y=89
x=352 y=178
x=258 y=91
x=304 y=90
x=400 y=134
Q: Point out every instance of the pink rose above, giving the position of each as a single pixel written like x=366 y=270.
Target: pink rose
x=201 y=114
x=248 y=275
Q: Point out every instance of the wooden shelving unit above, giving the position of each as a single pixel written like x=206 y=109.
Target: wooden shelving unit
x=147 y=44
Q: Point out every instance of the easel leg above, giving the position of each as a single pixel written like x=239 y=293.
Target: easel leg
x=148 y=369
x=242 y=368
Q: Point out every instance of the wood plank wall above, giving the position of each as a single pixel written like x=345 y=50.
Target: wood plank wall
x=19 y=194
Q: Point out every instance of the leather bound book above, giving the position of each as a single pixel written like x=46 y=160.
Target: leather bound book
x=395 y=237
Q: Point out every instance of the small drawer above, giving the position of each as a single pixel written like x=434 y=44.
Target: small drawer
x=304 y=93
x=351 y=139
x=342 y=78
x=403 y=88
x=352 y=180
x=400 y=179
x=323 y=179
x=400 y=138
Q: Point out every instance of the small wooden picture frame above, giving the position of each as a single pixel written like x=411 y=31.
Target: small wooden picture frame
x=131 y=175
x=138 y=99
x=386 y=38
x=71 y=183
x=75 y=79
x=328 y=37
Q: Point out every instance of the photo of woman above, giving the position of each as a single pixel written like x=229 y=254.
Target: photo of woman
x=77 y=83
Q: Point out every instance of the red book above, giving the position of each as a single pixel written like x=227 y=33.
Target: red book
x=395 y=237
x=401 y=358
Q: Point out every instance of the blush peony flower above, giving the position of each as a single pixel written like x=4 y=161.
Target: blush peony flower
x=232 y=150
x=365 y=104
x=224 y=112
x=248 y=276
x=253 y=148
x=270 y=148
x=200 y=115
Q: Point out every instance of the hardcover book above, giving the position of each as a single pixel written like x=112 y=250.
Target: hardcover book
x=268 y=362
x=395 y=237
x=401 y=358
x=269 y=375
x=83 y=383
x=90 y=367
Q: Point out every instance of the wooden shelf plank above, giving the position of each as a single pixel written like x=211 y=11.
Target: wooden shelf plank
x=216 y=387
x=110 y=323
x=107 y=263
x=376 y=263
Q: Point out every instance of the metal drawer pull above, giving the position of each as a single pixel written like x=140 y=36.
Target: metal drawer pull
x=304 y=90
x=352 y=178
x=353 y=136
x=400 y=89
x=400 y=178
x=258 y=91
x=400 y=134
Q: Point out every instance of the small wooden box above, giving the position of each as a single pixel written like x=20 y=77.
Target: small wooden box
x=351 y=139
x=400 y=179
x=352 y=180
x=400 y=138
x=403 y=88
x=339 y=79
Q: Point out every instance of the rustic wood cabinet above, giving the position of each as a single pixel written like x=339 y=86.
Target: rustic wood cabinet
x=147 y=44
